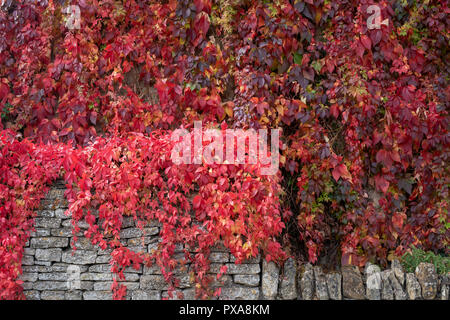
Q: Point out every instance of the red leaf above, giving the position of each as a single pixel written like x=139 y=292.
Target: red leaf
x=397 y=219
x=93 y=117
x=334 y=110
x=395 y=156
x=340 y=171
x=3 y=90
x=384 y=157
x=375 y=36
x=365 y=40
x=330 y=65
x=261 y=107
x=197 y=201
x=381 y=183
x=359 y=50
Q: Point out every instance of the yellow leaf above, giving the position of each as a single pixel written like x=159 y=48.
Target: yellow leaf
x=229 y=110
x=280 y=109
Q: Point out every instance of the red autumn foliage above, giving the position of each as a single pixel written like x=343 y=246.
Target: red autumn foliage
x=364 y=112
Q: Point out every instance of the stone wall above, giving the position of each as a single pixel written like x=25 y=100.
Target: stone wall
x=52 y=272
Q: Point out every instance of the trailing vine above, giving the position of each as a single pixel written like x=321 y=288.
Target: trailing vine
x=364 y=114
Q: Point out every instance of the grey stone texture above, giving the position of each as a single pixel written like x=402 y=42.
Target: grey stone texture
x=334 y=284
x=321 y=284
x=373 y=281
x=387 y=292
x=307 y=283
x=53 y=270
x=413 y=287
x=352 y=283
x=288 y=287
x=251 y=280
x=270 y=278
x=428 y=279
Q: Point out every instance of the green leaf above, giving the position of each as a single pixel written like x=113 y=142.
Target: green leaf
x=297 y=58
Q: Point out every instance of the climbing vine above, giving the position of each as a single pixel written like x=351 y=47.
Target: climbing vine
x=363 y=111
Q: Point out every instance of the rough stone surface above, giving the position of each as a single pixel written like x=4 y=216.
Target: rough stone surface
x=334 y=284
x=52 y=270
x=398 y=271
x=269 y=282
x=188 y=294
x=53 y=295
x=220 y=257
x=49 y=285
x=307 y=283
x=154 y=282
x=146 y=295
x=29 y=276
x=352 y=284
x=79 y=257
x=41 y=232
x=413 y=287
x=49 y=254
x=399 y=294
x=27 y=260
x=445 y=286
x=73 y=295
x=106 y=285
x=239 y=293
x=373 y=281
x=428 y=279
x=49 y=242
x=32 y=295
x=54 y=276
x=256 y=259
x=29 y=251
x=82 y=244
x=130 y=233
x=61 y=232
x=97 y=295
x=251 y=280
x=45 y=222
x=252 y=268
x=288 y=289
x=61 y=213
x=321 y=284
x=96 y=276
x=387 y=292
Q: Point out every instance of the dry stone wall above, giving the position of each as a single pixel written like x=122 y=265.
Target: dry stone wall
x=53 y=271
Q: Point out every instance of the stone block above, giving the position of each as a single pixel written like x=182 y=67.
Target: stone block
x=288 y=288
x=239 y=293
x=48 y=223
x=52 y=295
x=428 y=279
x=154 y=282
x=97 y=295
x=146 y=295
x=79 y=257
x=352 y=284
x=49 y=242
x=49 y=254
x=334 y=284
x=251 y=280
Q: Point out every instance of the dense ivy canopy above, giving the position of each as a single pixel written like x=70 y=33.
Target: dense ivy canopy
x=364 y=170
